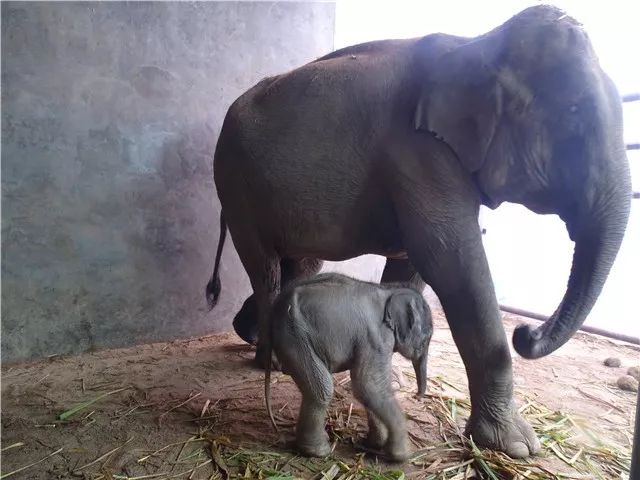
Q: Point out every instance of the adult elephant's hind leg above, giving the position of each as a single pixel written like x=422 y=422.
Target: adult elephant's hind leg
x=263 y=267
x=266 y=286
x=245 y=323
x=457 y=270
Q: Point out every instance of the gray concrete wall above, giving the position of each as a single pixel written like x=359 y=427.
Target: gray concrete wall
x=110 y=114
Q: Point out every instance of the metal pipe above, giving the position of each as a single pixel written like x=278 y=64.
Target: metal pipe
x=584 y=328
x=631 y=97
x=635 y=453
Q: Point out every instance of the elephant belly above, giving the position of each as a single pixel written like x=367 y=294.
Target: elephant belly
x=338 y=232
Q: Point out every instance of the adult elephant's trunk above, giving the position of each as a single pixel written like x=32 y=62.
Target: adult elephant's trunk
x=596 y=245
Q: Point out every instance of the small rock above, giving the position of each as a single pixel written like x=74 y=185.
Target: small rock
x=612 y=362
x=628 y=383
x=634 y=372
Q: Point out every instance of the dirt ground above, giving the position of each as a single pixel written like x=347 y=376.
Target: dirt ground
x=195 y=409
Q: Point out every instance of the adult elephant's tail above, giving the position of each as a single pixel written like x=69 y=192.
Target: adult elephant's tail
x=214 y=285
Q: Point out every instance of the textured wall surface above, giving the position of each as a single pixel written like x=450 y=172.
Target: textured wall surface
x=110 y=114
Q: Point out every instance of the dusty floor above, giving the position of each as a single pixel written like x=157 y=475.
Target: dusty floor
x=200 y=403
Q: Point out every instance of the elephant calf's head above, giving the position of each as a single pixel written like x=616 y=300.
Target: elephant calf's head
x=408 y=316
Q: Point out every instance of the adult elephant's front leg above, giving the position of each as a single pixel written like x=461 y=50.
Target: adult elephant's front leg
x=456 y=268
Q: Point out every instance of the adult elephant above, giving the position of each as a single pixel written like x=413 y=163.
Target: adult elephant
x=391 y=147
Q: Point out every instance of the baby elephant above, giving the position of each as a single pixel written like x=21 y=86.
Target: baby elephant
x=331 y=323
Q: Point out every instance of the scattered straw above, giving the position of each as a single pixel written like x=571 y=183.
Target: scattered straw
x=584 y=452
x=83 y=405
x=219 y=461
x=349 y=415
x=192 y=439
x=7 y=475
x=205 y=407
x=191 y=397
x=601 y=400
x=580 y=452
x=13 y=445
x=105 y=457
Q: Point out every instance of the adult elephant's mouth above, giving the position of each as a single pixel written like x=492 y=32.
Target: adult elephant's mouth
x=485 y=199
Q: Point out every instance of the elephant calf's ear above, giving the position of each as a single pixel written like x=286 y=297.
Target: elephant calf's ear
x=388 y=316
x=400 y=315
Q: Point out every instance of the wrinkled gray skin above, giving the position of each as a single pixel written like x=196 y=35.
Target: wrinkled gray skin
x=391 y=147
x=332 y=323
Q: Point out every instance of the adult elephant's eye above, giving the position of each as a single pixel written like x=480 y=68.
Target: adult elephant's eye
x=575 y=117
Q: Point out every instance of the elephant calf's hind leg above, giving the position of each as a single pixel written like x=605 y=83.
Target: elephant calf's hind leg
x=316 y=384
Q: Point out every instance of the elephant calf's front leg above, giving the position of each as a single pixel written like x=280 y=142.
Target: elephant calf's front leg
x=372 y=387
x=378 y=433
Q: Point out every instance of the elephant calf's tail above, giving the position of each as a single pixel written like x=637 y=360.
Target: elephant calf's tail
x=214 y=285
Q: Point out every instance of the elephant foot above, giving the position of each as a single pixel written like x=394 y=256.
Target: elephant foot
x=397 y=452
x=378 y=434
x=321 y=448
x=375 y=440
x=509 y=433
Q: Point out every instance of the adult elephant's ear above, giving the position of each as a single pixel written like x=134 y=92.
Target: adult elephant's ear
x=461 y=101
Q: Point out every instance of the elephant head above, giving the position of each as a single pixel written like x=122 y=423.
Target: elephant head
x=533 y=118
x=408 y=316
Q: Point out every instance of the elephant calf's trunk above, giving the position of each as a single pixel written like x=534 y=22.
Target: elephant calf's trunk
x=420 y=367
